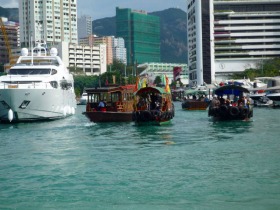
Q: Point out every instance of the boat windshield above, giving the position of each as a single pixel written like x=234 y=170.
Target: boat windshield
x=29 y=71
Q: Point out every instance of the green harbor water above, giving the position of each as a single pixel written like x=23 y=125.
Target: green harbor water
x=193 y=163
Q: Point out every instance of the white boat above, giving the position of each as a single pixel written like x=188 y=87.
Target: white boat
x=274 y=94
x=37 y=87
x=83 y=100
x=271 y=91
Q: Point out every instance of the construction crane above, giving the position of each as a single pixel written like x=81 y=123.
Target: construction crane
x=6 y=40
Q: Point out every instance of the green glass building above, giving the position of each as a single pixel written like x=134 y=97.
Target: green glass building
x=141 y=33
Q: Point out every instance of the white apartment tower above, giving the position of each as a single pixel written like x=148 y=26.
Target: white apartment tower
x=53 y=21
x=119 y=50
x=84 y=26
x=229 y=36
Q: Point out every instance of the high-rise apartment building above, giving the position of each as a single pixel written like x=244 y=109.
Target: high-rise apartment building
x=90 y=59
x=12 y=33
x=229 y=36
x=115 y=47
x=119 y=50
x=107 y=40
x=141 y=33
x=88 y=40
x=53 y=21
x=84 y=26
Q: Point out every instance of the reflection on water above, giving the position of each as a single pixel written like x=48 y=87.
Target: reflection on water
x=232 y=126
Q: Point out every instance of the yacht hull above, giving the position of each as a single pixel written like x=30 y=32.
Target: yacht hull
x=275 y=97
x=35 y=104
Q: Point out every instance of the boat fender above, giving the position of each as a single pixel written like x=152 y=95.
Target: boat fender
x=134 y=116
x=234 y=111
x=65 y=111
x=223 y=109
x=147 y=116
x=169 y=115
x=163 y=116
x=173 y=110
x=156 y=114
x=210 y=112
x=137 y=116
x=250 y=113
x=10 y=115
x=244 y=111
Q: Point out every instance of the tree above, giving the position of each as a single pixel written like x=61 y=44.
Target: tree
x=76 y=70
x=82 y=82
x=116 y=70
x=264 y=68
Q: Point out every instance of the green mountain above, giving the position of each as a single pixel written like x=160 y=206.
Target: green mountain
x=10 y=13
x=173 y=36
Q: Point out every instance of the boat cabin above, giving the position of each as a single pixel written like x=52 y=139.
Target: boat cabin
x=113 y=99
x=153 y=98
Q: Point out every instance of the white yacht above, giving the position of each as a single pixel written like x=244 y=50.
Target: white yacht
x=83 y=100
x=37 y=87
x=268 y=94
x=273 y=90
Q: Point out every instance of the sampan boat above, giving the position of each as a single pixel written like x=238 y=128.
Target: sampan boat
x=230 y=104
x=153 y=105
x=117 y=104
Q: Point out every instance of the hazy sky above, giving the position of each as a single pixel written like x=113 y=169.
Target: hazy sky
x=107 y=8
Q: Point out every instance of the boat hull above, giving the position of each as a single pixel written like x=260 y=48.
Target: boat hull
x=257 y=97
x=224 y=113
x=152 y=117
x=105 y=116
x=194 y=105
x=275 y=97
x=36 y=104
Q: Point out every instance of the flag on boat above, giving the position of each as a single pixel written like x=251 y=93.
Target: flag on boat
x=138 y=84
x=177 y=73
x=144 y=82
x=163 y=79
x=167 y=88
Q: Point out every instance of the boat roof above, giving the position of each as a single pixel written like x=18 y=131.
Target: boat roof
x=109 y=89
x=151 y=90
x=230 y=90
x=195 y=92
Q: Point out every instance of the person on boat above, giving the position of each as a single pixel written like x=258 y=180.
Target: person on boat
x=222 y=100
x=215 y=102
x=153 y=98
x=101 y=106
x=241 y=101
x=141 y=103
x=228 y=102
x=206 y=99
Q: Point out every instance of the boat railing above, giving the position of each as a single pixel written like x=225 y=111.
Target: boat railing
x=111 y=106
x=32 y=85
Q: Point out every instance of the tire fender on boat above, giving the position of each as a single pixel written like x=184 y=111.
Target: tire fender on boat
x=234 y=111
x=223 y=110
x=244 y=111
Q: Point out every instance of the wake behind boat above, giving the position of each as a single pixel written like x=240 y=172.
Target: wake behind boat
x=38 y=87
